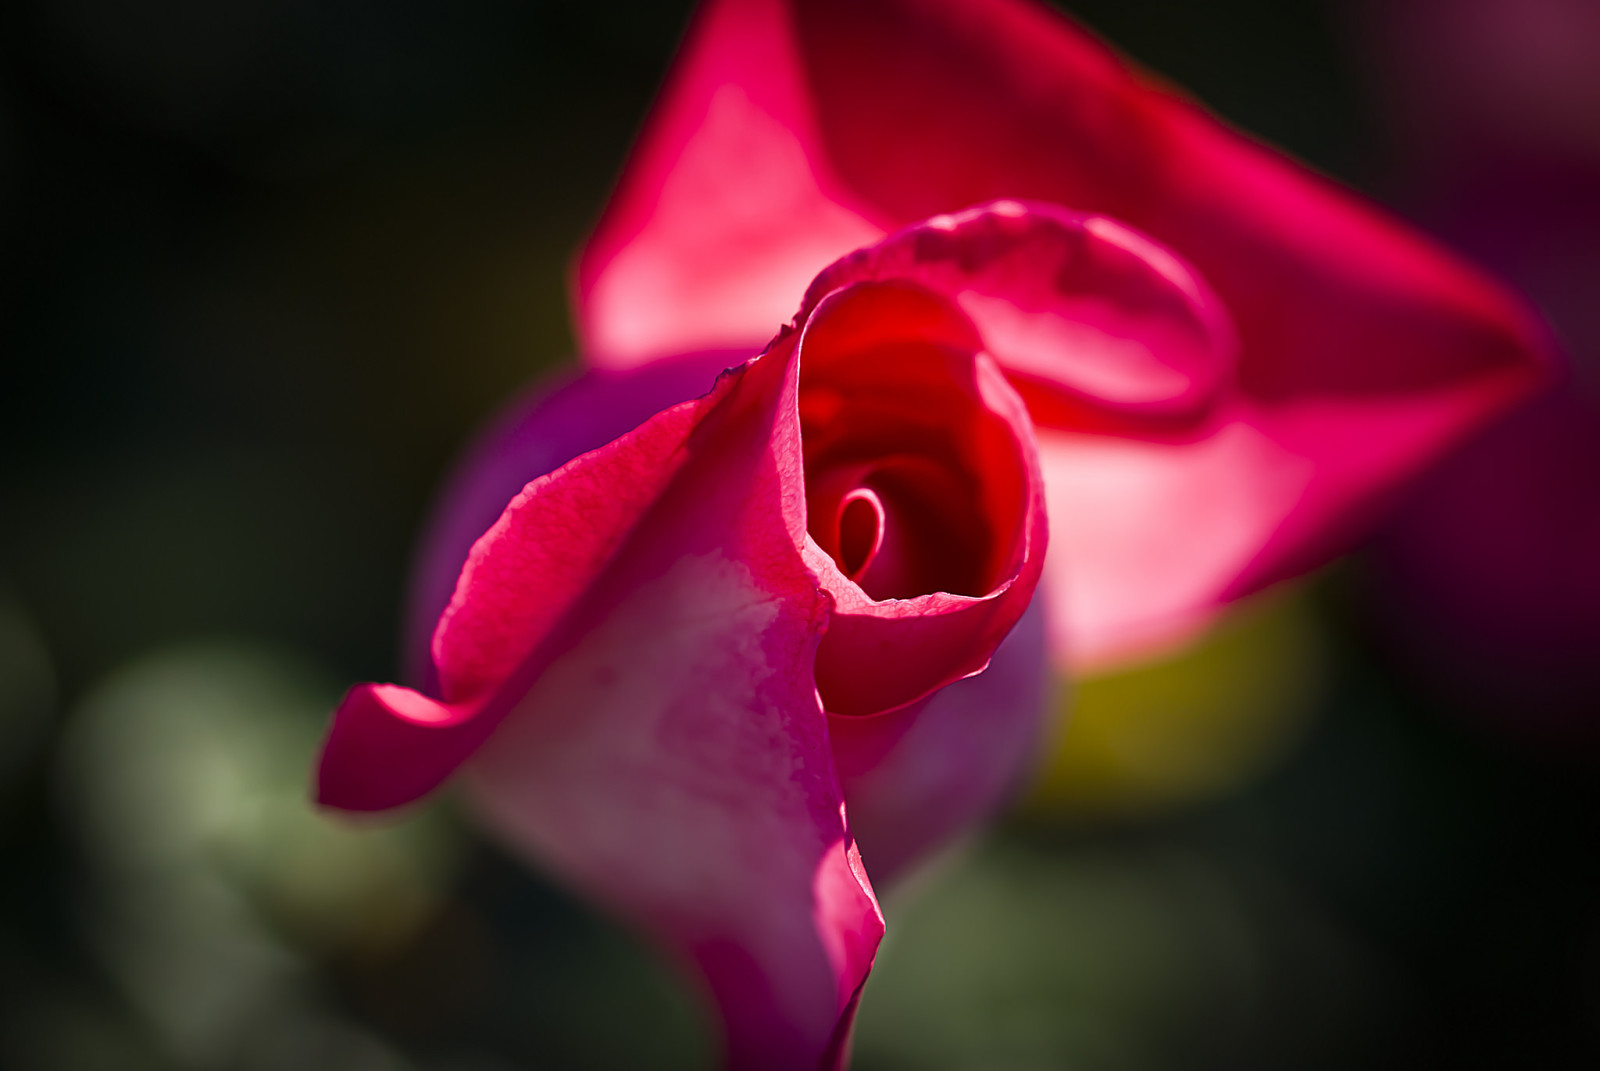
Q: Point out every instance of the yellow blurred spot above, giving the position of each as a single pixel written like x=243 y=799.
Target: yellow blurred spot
x=1193 y=725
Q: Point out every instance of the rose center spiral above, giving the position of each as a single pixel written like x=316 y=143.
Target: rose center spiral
x=913 y=484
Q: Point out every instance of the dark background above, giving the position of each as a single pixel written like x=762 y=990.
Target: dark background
x=264 y=265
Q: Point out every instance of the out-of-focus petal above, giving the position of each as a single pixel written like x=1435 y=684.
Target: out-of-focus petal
x=970 y=100
x=1150 y=539
x=1488 y=579
x=728 y=209
x=1147 y=538
x=1491 y=577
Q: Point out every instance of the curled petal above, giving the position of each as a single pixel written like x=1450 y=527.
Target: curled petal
x=898 y=400
x=928 y=531
x=658 y=739
x=520 y=579
x=1091 y=320
x=548 y=427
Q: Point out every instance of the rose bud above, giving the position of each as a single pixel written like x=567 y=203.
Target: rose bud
x=735 y=652
x=694 y=665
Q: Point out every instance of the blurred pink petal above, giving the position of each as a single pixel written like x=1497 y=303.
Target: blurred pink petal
x=866 y=116
x=723 y=217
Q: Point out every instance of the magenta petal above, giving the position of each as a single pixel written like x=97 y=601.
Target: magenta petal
x=727 y=210
x=926 y=106
x=515 y=583
x=672 y=759
x=520 y=578
x=1150 y=539
x=552 y=542
x=673 y=764
x=548 y=427
x=390 y=745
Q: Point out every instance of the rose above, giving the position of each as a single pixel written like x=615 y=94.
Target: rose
x=677 y=658
x=685 y=688
x=791 y=131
